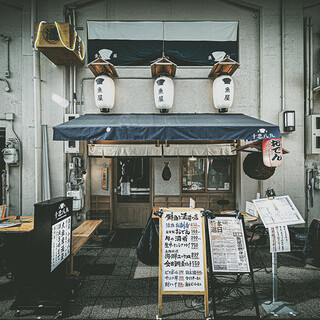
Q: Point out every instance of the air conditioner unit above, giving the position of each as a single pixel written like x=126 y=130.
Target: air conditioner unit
x=313 y=134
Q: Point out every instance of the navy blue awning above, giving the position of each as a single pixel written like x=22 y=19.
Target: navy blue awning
x=150 y=127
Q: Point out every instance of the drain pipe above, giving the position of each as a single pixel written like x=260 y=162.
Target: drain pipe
x=7 y=168
x=310 y=65
x=74 y=68
x=307 y=68
x=20 y=170
x=37 y=107
x=282 y=56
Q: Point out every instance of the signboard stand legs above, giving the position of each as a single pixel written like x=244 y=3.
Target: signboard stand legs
x=276 y=214
x=276 y=307
x=221 y=230
x=211 y=276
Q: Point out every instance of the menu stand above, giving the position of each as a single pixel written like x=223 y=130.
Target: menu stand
x=274 y=306
x=210 y=215
x=161 y=292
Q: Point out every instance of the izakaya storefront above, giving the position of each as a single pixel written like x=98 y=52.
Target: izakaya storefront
x=161 y=160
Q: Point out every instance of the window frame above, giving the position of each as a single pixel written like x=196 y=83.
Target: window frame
x=206 y=191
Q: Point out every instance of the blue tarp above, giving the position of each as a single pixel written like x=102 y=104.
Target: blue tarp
x=150 y=127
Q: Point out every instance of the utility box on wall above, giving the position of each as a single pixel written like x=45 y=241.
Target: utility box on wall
x=313 y=134
x=71 y=146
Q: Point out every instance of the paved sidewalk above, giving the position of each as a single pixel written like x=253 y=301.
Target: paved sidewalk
x=116 y=285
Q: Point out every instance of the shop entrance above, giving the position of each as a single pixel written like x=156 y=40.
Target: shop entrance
x=132 y=194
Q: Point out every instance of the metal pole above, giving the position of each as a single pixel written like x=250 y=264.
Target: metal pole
x=307 y=68
x=311 y=65
x=8 y=189
x=274 y=277
x=37 y=107
x=20 y=169
x=282 y=56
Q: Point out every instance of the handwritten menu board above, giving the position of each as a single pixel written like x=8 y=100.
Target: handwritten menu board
x=228 y=246
x=182 y=244
x=278 y=211
x=60 y=242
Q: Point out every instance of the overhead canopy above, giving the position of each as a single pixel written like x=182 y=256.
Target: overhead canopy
x=150 y=127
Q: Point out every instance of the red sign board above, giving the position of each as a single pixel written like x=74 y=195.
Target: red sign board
x=272 y=152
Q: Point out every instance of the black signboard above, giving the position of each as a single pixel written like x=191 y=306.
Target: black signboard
x=52 y=232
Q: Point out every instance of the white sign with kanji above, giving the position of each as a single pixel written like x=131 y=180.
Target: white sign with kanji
x=60 y=242
x=279 y=239
x=183 y=251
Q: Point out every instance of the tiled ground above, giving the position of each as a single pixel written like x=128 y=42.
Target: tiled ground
x=130 y=290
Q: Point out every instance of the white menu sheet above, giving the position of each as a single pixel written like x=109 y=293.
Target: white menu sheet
x=182 y=250
x=278 y=211
x=60 y=242
x=228 y=245
x=279 y=239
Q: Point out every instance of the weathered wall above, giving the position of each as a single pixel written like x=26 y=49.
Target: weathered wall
x=313 y=12
x=190 y=96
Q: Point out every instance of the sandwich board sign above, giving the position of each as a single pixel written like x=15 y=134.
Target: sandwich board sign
x=229 y=250
x=228 y=245
x=182 y=254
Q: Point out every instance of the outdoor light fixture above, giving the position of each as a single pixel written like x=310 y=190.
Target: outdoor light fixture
x=223 y=85
x=104 y=87
x=164 y=70
x=289 y=121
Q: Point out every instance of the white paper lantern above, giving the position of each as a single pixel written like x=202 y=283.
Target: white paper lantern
x=104 y=93
x=163 y=93
x=223 y=92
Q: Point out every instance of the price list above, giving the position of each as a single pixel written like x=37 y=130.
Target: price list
x=182 y=251
x=60 y=243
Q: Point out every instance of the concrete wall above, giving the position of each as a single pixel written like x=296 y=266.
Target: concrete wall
x=312 y=160
x=258 y=81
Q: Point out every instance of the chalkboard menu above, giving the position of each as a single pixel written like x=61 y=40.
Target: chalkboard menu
x=228 y=245
x=182 y=245
x=52 y=233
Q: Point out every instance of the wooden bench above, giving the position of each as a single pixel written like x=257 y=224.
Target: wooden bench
x=80 y=236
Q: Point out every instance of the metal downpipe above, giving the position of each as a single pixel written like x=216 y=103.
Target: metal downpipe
x=37 y=108
x=20 y=170
x=282 y=56
x=310 y=65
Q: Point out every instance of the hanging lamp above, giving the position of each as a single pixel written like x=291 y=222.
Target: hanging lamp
x=104 y=87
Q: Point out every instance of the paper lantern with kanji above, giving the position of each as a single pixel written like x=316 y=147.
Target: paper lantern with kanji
x=163 y=93
x=223 y=92
x=104 y=93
